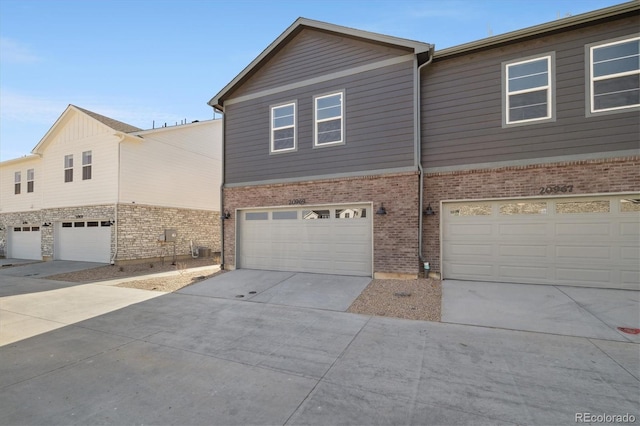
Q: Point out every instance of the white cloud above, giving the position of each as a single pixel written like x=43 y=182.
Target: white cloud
x=14 y=52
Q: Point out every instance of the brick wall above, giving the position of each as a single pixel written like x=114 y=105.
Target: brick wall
x=140 y=228
x=587 y=177
x=395 y=235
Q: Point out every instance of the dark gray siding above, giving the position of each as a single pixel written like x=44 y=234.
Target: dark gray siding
x=379 y=129
x=314 y=53
x=462 y=105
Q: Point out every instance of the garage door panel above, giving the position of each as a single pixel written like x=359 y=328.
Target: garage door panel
x=522 y=271
x=77 y=240
x=584 y=252
x=24 y=242
x=583 y=230
x=536 y=251
x=523 y=229
x=587 y=241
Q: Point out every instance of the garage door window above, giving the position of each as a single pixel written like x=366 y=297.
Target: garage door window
x=17 y=229
x=35 y=228
x=78 y=225
x=257 y=216
x=316 y=214
x=66 y=224
x=471 y=210
x=351 y=213
x=630 y=205
x=580 y=207
x=523 y=208
x=286 y=215
x=92 y=224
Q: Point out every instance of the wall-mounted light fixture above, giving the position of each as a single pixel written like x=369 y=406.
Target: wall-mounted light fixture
x=25 y=222
x=46 y=224
x=226 y=215
x=429 y=211
x=381 y=210
x=112 y=222
x=1 y=228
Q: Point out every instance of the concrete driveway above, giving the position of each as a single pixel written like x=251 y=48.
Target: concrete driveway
x=571 y=311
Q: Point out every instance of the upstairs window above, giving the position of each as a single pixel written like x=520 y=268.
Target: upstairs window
x=614 y=75
x=17 y=178
x=30 y=179
x=68 y=168
x=86 y=165
x=328 y=120
x=528 y=91
x=283 y=128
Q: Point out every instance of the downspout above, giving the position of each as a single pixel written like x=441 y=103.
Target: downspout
x=418 y=133
x=122 y=136
x=222 y=214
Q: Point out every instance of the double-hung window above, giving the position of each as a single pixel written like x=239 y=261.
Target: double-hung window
x=283 y=128
x=68 y=168
x=30 y=179
x=328 y=119
x=528 y=90
x=86 y=165
x=17 y=178
x=614 y=75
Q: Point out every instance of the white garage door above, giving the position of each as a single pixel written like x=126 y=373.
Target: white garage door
x=328 y=239
x=88 y=241
x=582 y=241
x=24 y=242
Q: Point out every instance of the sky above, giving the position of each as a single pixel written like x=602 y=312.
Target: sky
x=151 y=62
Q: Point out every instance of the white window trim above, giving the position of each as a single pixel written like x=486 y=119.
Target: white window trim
x=590 y=101
x=70 y=156
x=294 y=126
x=17 y=183
x=316 y=121
x=31 y=179
x=550 y=87
x=89 y=164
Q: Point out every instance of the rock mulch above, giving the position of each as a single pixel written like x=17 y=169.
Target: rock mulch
x=418 y=299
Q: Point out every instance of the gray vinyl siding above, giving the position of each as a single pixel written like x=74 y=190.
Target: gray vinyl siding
x=314 y=53
x=462 y=105
x=379 y=129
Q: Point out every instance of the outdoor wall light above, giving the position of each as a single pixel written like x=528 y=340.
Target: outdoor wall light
x=46 y=224
x=112 y=222
x=25 y=222
x=429 y=211
x=226 y=215
x=381 y=210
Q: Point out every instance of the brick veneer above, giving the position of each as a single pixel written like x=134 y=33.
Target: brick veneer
x=587 y=177
x=395 y=243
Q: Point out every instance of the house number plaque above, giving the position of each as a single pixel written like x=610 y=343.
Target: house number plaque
x=297 y=201
x=555 y=189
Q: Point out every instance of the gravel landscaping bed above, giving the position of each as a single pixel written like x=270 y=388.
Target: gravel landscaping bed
x=418 y=299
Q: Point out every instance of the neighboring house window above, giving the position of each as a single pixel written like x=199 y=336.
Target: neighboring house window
x=30 y=179
x=68 y=168
x=283 y=128
x=17 y=180
x=614 y=75
x=86 y=165
x=328 y=119
x=528 y=90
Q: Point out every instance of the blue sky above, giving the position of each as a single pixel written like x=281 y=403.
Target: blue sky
x=141 y=61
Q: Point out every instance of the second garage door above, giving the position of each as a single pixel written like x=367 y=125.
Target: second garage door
x=24 y=242
x=327 y=239
x=582 y=241
x=88 y=241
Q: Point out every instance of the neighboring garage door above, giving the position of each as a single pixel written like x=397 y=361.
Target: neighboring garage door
x=327 y=239
x=24 y=242
x=88 y=241
x=592 y=242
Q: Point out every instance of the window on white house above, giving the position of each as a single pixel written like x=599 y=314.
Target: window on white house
x=328 y=119
x=68 y=168
x=283 y=128
x=86 y=165
x=614 y=75
x=30 y=179
x=17 y=182
x=528 y=92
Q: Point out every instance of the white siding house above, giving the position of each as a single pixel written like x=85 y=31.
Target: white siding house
x=97 y=189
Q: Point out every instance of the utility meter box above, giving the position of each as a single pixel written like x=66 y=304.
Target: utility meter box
x=170 y=235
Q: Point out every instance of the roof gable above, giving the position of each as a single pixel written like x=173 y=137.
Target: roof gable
x=292 y=41
x=100 y=123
